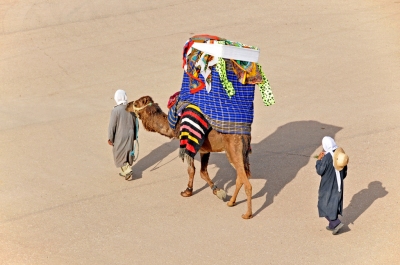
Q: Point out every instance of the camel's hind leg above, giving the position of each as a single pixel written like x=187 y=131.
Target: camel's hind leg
x=237 y=150
x=191 y=171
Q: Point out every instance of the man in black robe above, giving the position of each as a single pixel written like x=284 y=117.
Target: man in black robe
x=330 y=193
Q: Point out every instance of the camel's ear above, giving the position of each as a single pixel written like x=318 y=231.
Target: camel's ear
x=143 y=101
x=147 y=100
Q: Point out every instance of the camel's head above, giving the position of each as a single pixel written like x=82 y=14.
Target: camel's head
x=143 y=105
x=138 y=105
x=151 y=115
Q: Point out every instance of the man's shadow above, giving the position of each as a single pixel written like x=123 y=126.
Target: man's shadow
x=360 y=202
x=277 y=159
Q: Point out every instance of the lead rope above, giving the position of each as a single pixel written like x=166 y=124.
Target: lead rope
x=136 y=142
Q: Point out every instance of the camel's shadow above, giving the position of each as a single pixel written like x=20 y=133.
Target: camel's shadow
x=278 y=158
x=360 y=202
x=154 y=158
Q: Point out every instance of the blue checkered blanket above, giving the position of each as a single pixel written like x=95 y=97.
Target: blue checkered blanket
x=226 y=115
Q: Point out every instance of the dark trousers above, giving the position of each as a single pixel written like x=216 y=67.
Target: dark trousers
x=333 y=223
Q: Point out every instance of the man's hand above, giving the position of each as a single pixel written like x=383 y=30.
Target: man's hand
x=110 y=143
x=321 y=155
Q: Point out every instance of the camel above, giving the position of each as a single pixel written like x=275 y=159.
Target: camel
x=236 y=147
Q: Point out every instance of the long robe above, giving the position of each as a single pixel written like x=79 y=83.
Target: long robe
x=330 y=200
x=122 y=132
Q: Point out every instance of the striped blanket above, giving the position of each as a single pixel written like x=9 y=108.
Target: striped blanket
x=233 y=115
x=193 y=131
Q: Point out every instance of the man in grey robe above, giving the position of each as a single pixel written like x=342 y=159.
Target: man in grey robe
x=122 y=134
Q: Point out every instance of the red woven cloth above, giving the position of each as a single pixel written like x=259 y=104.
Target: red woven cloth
x=172 y=99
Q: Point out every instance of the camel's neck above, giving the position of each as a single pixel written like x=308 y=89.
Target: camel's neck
x=158 y=122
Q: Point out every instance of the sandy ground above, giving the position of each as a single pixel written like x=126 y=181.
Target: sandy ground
x=334 y=69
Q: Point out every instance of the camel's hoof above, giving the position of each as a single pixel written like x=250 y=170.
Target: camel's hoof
x=246 y=216
x=221 y=194
x=186 y=193
x=230 y=204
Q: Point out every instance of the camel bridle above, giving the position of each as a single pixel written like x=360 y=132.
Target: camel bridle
x=138 y=109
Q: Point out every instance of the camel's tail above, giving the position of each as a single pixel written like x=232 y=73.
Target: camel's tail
x=246 y=139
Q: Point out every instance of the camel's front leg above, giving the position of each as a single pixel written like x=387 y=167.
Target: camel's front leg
x=189 y=190
x=204 y=157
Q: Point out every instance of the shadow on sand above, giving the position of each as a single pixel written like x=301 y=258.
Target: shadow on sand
x=277 y=159
x=360 y=202
x=155 y=159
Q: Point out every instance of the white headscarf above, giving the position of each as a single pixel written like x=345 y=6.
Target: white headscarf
x=329 y=146
x=120 y=97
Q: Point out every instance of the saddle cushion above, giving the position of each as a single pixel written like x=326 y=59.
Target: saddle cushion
x=194 y=129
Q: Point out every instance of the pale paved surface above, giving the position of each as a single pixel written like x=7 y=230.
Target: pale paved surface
x=332 y=66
